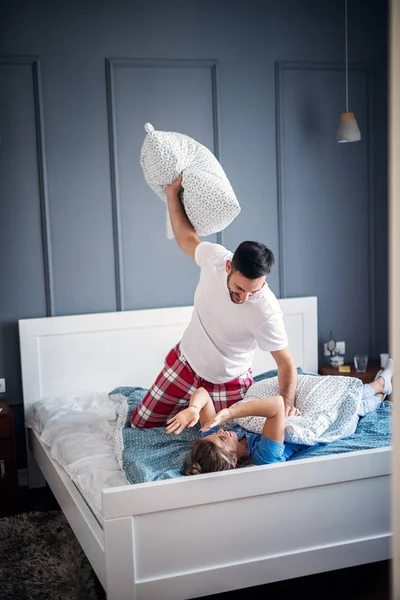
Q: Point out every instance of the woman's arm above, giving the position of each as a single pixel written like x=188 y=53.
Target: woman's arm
x=262 y=407
x=200 y=407
x=201 y=399
x=273 y=409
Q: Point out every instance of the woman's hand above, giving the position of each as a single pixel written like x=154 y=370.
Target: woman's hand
x=222 y=417
x=186 y=418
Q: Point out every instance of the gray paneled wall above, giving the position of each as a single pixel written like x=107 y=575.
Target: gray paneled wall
x=137 y=89
x=326 y=228
x=261 y=84
x=24 y=258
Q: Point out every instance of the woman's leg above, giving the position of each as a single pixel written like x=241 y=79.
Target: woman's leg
x=377 y=390
x=371 y=397
x=378 y=387
x=386 y=374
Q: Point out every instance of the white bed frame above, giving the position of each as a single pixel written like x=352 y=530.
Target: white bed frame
x=197 y=536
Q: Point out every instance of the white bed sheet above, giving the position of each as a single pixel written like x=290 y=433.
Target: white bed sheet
x=79 y=430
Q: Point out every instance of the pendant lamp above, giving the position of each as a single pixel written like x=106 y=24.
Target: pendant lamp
x=348 y=130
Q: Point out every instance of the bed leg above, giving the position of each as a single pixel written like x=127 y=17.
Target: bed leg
x=119 y=544
x=35 y=477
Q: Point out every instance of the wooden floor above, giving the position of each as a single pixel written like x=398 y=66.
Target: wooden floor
x=368 y=582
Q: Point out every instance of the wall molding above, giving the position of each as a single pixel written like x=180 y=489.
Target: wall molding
x=280 y=67
x=34 y=63
x=111 y=65
x=371 y=199
x=115 y=193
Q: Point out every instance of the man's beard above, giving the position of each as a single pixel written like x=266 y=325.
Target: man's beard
x=235 y=297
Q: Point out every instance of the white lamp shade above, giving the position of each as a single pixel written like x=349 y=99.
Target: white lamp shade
x=348 y=130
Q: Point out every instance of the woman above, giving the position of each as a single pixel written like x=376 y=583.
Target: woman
x=220 y=450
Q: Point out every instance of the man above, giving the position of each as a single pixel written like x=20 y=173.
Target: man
x=234 y=312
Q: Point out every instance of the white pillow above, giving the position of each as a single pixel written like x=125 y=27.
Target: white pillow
x=209 y=200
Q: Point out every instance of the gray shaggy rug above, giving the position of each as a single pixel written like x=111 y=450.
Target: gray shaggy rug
x=40 y=559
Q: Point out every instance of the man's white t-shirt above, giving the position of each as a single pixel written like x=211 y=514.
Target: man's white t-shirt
x=222 y=336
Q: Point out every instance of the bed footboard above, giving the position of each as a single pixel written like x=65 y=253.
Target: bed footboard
x=186 y=538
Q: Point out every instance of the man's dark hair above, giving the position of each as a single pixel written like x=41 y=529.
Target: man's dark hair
x=253 y=260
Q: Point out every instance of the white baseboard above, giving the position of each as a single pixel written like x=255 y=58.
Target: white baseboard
x=22 y=477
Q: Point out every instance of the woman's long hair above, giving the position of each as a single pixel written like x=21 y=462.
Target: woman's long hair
x=207 y=457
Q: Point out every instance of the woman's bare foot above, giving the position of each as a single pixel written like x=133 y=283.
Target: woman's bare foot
x=378 y=386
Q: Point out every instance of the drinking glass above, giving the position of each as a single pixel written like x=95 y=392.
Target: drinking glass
x=361 y=362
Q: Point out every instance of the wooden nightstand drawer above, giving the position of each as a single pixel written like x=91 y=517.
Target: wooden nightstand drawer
x=5 y=428
x=8 y=473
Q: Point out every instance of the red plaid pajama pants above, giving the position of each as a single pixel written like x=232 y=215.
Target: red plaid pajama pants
x=174 y=387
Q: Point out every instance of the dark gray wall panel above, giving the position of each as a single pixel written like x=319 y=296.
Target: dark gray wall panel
x=173 y=97
x=75 y=112
x=327 y=246
x=23 y=290
x=248 y=141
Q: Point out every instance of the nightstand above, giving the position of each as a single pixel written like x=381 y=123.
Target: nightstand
x=369 y=375
x=8 y=463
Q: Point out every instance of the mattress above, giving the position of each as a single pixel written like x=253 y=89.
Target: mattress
x=78 y=430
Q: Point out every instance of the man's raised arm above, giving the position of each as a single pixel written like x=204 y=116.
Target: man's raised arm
x=183 y=230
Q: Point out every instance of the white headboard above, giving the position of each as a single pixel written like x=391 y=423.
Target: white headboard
x=99 y=352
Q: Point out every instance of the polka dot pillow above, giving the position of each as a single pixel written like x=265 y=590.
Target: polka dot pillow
x=209 y=200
